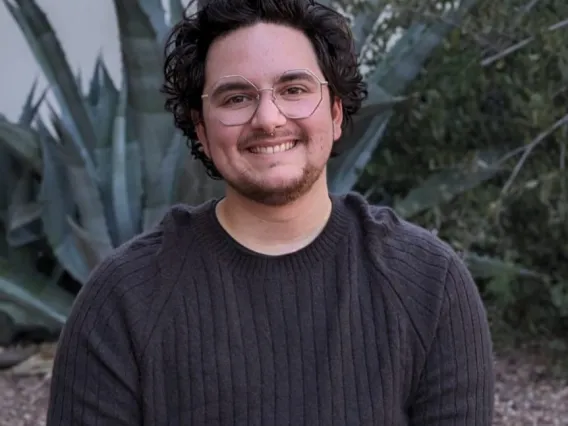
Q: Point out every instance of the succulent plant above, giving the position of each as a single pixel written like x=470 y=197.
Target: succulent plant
x=103 y=169
x=113 y=163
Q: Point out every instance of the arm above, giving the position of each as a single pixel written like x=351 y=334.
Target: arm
x=95 y=375
x=457 y=382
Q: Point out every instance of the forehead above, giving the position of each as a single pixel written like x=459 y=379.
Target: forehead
x=260 y=53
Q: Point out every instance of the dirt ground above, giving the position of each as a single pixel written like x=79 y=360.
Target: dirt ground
x=528 y=391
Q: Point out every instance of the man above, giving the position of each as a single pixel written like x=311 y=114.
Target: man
x=278 y=304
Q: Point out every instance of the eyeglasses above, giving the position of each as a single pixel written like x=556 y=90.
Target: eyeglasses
x=234 y=99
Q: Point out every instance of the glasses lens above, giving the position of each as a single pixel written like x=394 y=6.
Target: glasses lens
x=297 y=94
x=234 y=100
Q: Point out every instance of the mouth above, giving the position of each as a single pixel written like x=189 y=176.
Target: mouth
x=273 y=149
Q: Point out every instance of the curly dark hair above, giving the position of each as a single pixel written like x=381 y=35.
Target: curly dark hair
x=189 y=42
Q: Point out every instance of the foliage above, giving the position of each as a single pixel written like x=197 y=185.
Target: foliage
x=111 y=167
x=388 y=80
x=103 y=170
x=496 y=93
x=29 y=296
x=101 y=177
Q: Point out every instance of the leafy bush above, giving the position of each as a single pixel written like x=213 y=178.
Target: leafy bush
x=496 y=92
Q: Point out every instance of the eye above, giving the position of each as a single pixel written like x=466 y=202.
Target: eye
x=237 y=99
x=294 y=90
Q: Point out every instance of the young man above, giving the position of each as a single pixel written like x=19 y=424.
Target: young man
x=278 y=304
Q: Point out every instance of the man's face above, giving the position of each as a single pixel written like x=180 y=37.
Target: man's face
x=299 y=148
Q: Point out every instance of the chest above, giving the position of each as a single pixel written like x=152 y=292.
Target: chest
x=320 y=348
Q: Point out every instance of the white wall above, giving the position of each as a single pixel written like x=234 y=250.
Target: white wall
x=84 y=28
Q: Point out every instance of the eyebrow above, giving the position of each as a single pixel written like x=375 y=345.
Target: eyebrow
x=297 y=75
x=241 y=85
x=230 y=86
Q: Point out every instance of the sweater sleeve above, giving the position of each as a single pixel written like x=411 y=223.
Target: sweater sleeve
x=457 y=383
x=95 y=375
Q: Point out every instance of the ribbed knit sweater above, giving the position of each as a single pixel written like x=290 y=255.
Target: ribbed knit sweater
x=376 y=322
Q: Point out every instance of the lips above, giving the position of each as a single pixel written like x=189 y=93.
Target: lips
x=273 y=149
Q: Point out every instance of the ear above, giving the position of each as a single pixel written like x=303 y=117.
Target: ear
x=337 y=117
x=200 y=130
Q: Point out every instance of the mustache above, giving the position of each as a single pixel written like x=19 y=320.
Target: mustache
x=255 y=137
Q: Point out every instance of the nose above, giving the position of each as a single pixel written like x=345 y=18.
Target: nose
x=267 y=116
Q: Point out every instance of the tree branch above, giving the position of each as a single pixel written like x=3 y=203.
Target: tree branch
x=517 y=46
x=529 y=148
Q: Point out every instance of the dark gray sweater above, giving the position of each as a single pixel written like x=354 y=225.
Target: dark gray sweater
x=376 y=322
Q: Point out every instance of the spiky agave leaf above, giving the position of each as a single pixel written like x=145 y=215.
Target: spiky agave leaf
x=27 y=296
x=34 y=300
x=92 y=248
x=485 y=267
x=22 y=143
x=363 y=23
x=42 y=40
x=151 y=125
x=389 y=80
x=56 y=198
x=86 y=194
x=172 y=172
x=385 y=106
x=23 y=220
x=177 y=10
x=447 y=184
x=9 y=181
x=19 y=209
x=31 y=107
x=102 y=100
x=345 y=170
x=155 y=12
x=126 y=174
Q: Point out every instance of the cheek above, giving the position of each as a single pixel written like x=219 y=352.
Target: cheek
x=221 y=139
x=322 y=130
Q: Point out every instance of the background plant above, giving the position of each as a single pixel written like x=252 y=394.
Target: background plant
x=498 y=86
x=462 y=101
x=103 y=170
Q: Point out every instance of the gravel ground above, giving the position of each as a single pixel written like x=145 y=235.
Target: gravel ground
x=529 y=392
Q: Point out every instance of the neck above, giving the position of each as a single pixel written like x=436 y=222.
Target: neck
x=275 y=230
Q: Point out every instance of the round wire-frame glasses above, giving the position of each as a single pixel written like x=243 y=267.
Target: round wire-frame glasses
x=234 y=99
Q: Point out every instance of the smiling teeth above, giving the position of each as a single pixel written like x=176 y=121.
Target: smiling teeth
x=273 y=149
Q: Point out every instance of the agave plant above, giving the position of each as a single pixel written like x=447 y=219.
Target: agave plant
x=113 y=162
x=103 y=170
x=29 y=298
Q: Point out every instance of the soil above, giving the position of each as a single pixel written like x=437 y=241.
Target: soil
x=530 y=390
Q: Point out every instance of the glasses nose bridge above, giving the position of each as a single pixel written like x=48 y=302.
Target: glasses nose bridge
x=267 y=89
x=262 y=112
x=272 y=98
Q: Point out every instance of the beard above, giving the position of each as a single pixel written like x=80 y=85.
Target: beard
x=288 y=190
x=277 y=195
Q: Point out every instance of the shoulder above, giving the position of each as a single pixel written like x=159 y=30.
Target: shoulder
x=119 y=288
x=388 y=235
x=135 y=262
x=130 y=285
x=417 y=269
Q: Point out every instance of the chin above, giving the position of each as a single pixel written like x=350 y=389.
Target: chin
x=281 y=177
x=277 y=187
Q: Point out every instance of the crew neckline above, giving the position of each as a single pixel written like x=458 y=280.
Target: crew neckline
x=240 y=259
